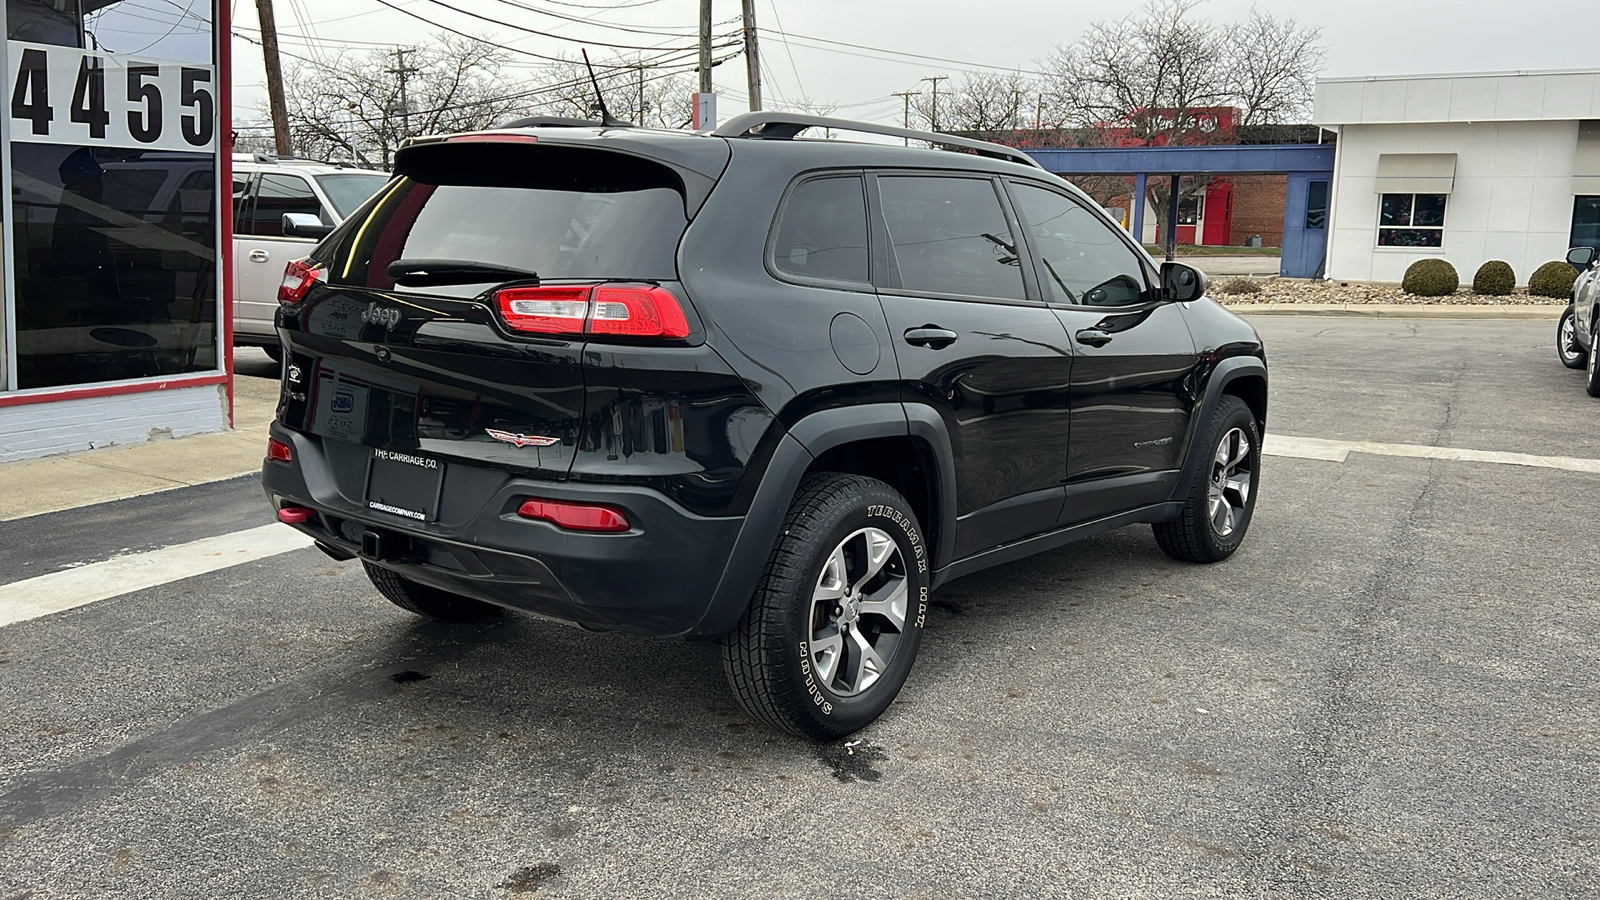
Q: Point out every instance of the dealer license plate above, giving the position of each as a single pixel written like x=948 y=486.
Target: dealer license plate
x=405 y=484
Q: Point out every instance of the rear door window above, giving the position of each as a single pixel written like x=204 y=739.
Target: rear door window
x=950 y=236
x=1085 y=262
x=822 y=232
x=564 y=213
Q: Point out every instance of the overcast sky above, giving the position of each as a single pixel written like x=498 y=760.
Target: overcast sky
x=1363 y=37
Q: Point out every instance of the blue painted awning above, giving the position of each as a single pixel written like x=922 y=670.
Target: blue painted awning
x=1221 y=159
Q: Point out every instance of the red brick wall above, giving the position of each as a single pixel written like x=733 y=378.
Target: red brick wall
x=1258 y=208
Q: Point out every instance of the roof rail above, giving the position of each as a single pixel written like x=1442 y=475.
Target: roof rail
x=772 y=124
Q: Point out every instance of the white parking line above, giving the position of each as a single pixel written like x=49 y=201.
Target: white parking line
x=1337 y=451
x=70 y=588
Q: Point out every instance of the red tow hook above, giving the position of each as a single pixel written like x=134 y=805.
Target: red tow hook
x=295 y=515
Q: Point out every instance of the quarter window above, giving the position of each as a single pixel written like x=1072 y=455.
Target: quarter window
x=822 y=231
x=1411 y=220
x=950 y=236
x=1084 y=261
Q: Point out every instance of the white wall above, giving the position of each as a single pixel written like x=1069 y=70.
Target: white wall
x=1512 y=198
x=42 y=429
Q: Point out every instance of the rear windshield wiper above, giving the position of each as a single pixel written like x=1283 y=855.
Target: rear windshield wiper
x=418 y=272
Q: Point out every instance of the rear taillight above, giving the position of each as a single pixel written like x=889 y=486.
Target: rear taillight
x=623 y=310
x=279 y=451
x=575 y=516
x=298 y=277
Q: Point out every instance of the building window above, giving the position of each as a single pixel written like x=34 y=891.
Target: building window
x=1189 y=210
x=1586 y=222
x=1317 y=205
x=1411 y=220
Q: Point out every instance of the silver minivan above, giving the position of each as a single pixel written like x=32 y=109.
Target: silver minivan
x=267 y=192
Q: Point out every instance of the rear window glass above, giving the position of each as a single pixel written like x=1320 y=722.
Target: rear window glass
x=822 y=231
x=561 y=212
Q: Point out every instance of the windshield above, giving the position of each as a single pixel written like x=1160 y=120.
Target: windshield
x=564 y=214
x=346 y=192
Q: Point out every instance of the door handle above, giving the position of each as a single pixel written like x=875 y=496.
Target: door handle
x=930 y=336
x=1094 y=337
x=259 y=256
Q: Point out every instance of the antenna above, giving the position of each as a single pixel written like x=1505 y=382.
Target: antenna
x=599 y=99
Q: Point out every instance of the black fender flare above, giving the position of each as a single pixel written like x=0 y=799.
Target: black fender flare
x=796 y=450
x=1228 y=370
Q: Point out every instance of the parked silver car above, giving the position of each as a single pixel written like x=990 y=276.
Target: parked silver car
x=281 y=208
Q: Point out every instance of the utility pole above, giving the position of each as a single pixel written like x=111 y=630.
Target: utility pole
x=752 y=59
x=269 y=54
x=404 y=73
x=1038 y=115
x=907 y=95
x=705 y=46
x=641 y=67
x=936 y=79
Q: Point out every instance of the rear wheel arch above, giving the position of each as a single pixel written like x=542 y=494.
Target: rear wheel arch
x=906 y=464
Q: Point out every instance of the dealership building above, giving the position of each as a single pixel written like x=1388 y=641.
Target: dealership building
x=111 y=328
x=1466 y=168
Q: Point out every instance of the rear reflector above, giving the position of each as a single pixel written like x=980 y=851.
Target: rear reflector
x=623 y=310
x=575 y=516
x=295 y=515
x=298 y=277
x=279 y=451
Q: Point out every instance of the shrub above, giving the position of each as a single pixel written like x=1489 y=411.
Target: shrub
x=1238 y=286
x=1430 y=278
x=1494 y=278
x=1553 y=279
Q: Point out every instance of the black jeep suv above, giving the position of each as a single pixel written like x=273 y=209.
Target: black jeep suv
x=748 y=387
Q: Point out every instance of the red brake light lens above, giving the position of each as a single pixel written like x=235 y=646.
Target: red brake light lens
x=298 y=277
x=575 y=516
x=624 y=310
x=279 y=451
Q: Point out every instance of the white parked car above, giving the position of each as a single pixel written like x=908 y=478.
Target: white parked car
x=265 y=192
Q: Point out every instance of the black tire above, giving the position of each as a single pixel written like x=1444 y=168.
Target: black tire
x=1591 y=380
x=274 y=352
x=424 y=600
x=1570 y=352
x=779 y=660
x=1203 y=532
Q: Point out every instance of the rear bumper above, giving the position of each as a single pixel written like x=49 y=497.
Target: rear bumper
x=657 y=578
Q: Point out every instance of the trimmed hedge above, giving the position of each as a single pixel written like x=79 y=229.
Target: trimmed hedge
x=1494 y=278
x=1431 y=278
x=1553 y=279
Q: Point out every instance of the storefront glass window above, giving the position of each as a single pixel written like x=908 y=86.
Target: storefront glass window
x=115 y=264
x=1586 y=222
x=1411 y=220
x=113 y=186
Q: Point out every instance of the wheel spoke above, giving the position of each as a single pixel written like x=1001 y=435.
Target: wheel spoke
x=879 y=548
x=890 y=603
x=866 y=665
x=1239 y=484
x=832 y=585
x=825 y=655
x=1243 y=452
x=1221 y=515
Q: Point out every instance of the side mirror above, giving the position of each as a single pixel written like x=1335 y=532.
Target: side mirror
x=1181 y=283
x=1581 y=257
x=305 y=225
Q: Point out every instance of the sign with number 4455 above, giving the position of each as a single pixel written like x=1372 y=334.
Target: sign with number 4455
x=64 y=95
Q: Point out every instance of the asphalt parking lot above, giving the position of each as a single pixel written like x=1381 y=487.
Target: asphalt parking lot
x=1390 y=691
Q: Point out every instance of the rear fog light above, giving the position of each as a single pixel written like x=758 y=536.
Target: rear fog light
x=295 y=515
x=278 y=450
x=575 y=516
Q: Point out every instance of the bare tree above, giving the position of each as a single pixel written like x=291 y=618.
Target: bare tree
x=1273 y=65
x=982 y=103
x=363 y=107
x=635 y=90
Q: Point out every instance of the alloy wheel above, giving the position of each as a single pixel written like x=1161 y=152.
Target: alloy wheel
x=858 y=612
x=1231 y=482
x=1569 y=338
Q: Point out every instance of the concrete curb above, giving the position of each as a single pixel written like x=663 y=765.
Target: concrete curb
x=1400 y=310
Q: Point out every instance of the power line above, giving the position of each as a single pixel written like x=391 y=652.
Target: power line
x=534 y=31
x=421 y=18
x=878 y=50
